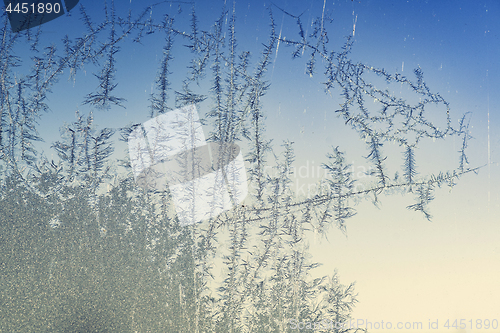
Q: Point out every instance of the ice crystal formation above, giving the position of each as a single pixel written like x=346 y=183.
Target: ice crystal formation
x=96 y=252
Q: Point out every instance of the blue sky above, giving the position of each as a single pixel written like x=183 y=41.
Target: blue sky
x=406 y=268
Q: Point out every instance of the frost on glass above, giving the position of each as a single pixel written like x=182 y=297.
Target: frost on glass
x=100 y=240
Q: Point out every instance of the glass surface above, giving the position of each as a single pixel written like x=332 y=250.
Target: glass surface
x=250 y=166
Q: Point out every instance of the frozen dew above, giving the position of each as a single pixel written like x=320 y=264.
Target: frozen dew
x=55 y=223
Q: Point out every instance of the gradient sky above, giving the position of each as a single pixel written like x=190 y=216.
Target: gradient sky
x=407 y=268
